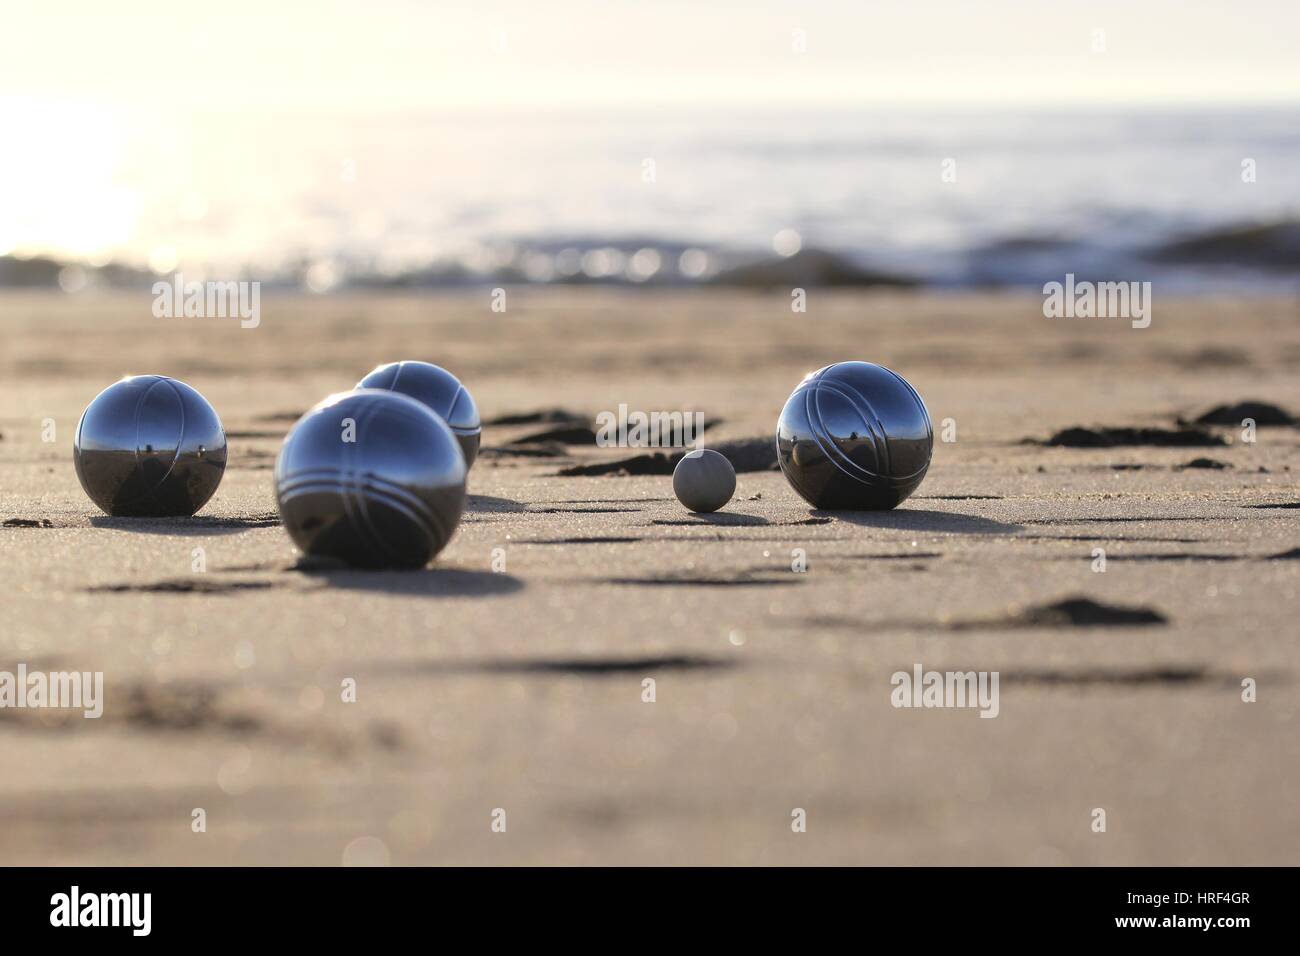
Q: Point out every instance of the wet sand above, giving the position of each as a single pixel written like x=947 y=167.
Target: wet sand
x=522 y=690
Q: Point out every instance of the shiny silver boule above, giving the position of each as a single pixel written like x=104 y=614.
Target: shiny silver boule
x=441 y=391
x=854 y=436
x=704 y=480
x=149 y=446
x=372 y=478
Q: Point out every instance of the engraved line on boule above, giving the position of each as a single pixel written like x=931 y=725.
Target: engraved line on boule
x=347 y=483
x=879 y=436
x=829 y=449
x=356 y=502
x=149 y=493
x=397 y=377
x=367 y=488
x=925 y=412
x=469 y=431
x=895 y=480
x=180 y=436
x=344 y=472
x=355 y=505
x=399 y=499
x=874 y=426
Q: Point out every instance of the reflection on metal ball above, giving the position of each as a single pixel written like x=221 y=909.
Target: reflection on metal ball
x=372 y=478
x=149 y=446
x=704 y=480
x=854 y=436
x=438 y=389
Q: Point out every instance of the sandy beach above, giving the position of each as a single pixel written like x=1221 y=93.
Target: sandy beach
x=522 y=690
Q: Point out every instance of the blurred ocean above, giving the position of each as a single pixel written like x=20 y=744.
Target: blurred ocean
x=951 y=199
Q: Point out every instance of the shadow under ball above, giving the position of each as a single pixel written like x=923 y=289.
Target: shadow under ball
x=438 y=389
x=371 y=478
x=149 y=446
x=854 y=437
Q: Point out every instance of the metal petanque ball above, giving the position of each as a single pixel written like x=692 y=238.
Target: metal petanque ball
x=149 y=446
x=704 y=480
x=372 y=478
x=854 y=436
x=441 y=391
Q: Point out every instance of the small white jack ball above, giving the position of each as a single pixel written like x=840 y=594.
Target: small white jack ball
x=704 y=480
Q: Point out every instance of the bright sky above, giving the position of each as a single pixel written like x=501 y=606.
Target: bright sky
x=365 y=55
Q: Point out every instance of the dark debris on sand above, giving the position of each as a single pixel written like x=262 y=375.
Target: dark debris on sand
x=593 y=666
x=749 y=454
x=757 y=578
x=183 y=586
x=546 y=416
x=745 y=455
x=548 y=449
x=283 y=416
x=1068 y=612
x=1262 y=413
x=1084 y=612
x=1127 y=437
x=1120 y=677
x=655 y=464
x=1209 y=463
x=567 y=435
